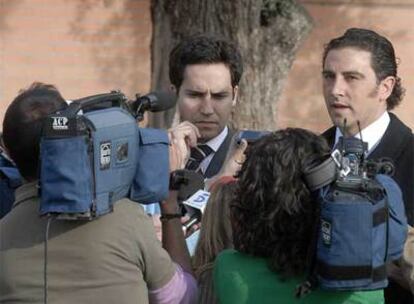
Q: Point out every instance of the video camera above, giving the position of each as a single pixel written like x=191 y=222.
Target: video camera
x=355 y=171
x=93 y=153
x=362 y=224
x=348 y=167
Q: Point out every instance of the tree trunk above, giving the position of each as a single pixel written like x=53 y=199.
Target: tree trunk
x=268 y=33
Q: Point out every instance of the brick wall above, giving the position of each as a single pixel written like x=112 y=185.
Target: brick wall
x=84 y=47
x=92 y=46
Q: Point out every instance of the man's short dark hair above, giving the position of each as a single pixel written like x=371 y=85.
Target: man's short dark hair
x=204 y=49
x=22 y=125
x=383 y=60
x=273 y=210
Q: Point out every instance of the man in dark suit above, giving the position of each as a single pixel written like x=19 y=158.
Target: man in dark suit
x=360 y=87
x=205 y=72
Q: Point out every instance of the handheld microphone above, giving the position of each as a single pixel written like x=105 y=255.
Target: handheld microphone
x=195 y=206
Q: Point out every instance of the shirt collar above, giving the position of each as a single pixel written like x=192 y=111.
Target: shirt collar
x=5 y=156
x=216 y=142
x=26 y=191
x=373 y=133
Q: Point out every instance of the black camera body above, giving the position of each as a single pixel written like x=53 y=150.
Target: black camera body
x=350 y=158
x=355 y=171
x=348 y=167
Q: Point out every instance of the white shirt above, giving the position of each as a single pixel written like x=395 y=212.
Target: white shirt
x=214 y=144
x=372 y=134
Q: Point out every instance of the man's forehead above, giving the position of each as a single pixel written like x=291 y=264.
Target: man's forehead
x=204 y=89
x=204 y=77
x=348 y=59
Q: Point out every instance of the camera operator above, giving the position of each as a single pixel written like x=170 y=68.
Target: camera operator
x=113 y=259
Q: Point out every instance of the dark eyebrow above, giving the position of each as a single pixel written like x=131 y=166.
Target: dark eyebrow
x=327 y=72
x=353 y=73
x=221 y=93
x=195 y=92
x=346 y=73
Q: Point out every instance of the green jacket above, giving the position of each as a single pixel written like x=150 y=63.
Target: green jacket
x=242 y=279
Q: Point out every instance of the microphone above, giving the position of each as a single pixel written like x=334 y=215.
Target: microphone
x=195 y=206
x=154 y=102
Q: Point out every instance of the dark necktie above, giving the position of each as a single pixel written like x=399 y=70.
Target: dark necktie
x=197 y=155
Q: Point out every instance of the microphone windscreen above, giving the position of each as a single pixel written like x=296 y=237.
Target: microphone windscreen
x=161 y=101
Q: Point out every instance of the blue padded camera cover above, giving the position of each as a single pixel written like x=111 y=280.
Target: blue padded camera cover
x=66 y=177
x=151 y=181
x=358 y=236
x=114 y=143
x=89 y=172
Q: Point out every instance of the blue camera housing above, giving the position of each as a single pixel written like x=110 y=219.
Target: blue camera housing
x=91 y=160
x=82 y=175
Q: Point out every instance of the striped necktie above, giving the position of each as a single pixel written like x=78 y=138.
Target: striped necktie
x=198 y=154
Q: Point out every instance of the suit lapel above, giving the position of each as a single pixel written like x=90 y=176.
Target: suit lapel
x=395 y=139
x=329 y=135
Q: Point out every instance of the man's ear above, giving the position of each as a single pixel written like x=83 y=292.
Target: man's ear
x=386 y=86
x=235 y=95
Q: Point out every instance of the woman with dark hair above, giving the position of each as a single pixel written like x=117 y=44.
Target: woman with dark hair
x=273 y=216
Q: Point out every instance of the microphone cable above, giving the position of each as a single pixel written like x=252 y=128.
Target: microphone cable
x=45 y=284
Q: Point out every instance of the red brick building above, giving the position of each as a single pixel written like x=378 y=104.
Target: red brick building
x=86 y=47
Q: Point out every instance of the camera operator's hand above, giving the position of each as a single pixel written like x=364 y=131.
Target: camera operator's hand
x=172 y=233
x=232 y=164
x=235 y=160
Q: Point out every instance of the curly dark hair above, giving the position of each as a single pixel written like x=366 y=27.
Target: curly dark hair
x=273 y=211
x=383 y=59
x=199 y=49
